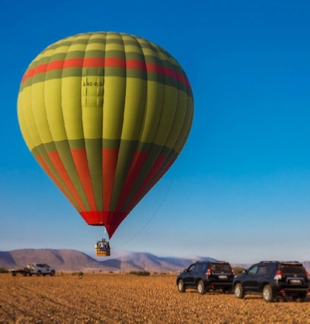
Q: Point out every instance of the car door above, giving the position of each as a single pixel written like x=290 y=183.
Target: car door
x=46 y=268
x=262 y=272
x=199 y=272
x=250 y=283
x=189 y=276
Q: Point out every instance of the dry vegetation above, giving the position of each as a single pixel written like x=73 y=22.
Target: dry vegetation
x=126 y=298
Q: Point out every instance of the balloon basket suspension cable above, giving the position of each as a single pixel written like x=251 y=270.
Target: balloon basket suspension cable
x=156 y=211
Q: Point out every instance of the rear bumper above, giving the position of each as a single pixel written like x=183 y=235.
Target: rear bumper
x=219 y=284
x=290 y=290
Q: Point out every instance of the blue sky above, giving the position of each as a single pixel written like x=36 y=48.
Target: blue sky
x=240 y=189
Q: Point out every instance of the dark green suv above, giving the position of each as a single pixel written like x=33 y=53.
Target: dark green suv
x=205 y=276
x=273 y=279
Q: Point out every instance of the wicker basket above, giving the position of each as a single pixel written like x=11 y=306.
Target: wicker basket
x=100 y=252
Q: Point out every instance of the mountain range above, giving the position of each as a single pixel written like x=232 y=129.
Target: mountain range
x=72 y=260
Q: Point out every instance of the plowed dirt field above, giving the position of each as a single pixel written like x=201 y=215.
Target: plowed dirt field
x=126 y=298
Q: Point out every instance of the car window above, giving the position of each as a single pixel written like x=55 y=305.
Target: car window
x=191 y=268
x=219 y=267
x=262 y=270
x=293 y=270
x=253 y=270
x=199 y=267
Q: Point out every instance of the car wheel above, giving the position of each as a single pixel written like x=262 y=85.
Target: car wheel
x=181 y=286
x=239 y=293
x=39 y=273
x=267 y=294
x=52 y=273
x=201 y=287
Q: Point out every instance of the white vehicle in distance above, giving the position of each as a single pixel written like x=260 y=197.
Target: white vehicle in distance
x=40 y=269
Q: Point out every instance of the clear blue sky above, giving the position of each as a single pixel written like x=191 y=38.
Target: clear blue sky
x=240 y=189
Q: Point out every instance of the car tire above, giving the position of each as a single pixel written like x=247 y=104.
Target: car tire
x=267 y=294
x=201 y=287
x=239 y=293
x=181 y=286
x=52 y=273
x=39 y=273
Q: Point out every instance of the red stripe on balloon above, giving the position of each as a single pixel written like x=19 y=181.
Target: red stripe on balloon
x=104 y=63
x=81 y=165
x=157 y=165
x=50 y=174
x=55 y=159
x=134 y=170
x=109 y=161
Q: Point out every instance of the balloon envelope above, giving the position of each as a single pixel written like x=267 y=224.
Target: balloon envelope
x=105 y=115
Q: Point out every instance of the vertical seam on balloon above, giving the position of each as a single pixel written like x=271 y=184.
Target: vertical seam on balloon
x=94 y=213
x=31 y=111
x=42 y=145
x=63 y=184
x=129 y=201
x=102 y=128
x=67 y=138
x=53 y=140
x=81 y=106
x=145 y=100
x=132 y=189
x=142 y=127
x=110 y=219
x=177 y=147
x=171 y=157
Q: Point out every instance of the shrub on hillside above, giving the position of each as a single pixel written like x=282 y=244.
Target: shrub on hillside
x=3 y=270
x=140 y=273
x=79 y=274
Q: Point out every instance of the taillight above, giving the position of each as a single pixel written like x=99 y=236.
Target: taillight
x=208 y=273
x=308 y=275
x=278 y=276
x=233 y=271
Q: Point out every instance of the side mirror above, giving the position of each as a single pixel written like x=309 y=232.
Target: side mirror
x=244 y=272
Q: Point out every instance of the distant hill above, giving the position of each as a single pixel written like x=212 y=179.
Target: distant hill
x=72 y=260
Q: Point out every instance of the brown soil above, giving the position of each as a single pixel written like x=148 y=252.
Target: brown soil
x=126 y=298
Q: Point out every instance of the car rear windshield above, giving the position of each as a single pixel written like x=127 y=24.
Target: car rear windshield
x=292 y=269
x=221 y=267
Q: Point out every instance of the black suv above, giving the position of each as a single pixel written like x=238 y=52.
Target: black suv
x=273 y=279
x=206 y=275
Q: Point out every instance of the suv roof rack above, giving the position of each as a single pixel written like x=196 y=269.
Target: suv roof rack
x=291 y=262
x=268 y=261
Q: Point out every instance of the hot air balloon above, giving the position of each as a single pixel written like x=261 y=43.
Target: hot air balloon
x=105 y=114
